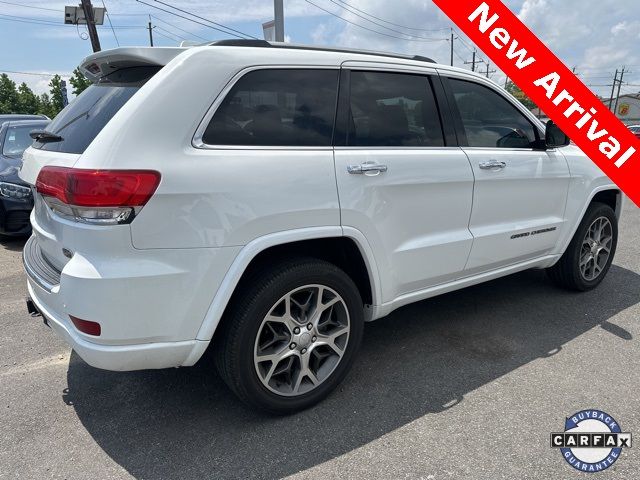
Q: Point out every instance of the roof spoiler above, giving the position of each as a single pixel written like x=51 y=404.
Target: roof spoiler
x=103 y=63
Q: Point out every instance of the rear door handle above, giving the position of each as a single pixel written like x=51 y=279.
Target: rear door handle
x=493 y=165
x=367 y=169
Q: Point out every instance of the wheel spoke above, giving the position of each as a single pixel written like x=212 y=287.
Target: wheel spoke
x=330 y=339
x=276 y=357
x=305 y=372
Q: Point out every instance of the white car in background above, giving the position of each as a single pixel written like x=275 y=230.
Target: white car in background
x=265 y=200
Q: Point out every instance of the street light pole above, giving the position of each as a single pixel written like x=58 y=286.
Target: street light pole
x=278 y=15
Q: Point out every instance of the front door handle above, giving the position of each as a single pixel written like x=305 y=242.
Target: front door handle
x=493 y=165
x=367 y=169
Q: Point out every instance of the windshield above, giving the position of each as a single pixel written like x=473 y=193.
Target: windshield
x=17 y=140
x=83 y=119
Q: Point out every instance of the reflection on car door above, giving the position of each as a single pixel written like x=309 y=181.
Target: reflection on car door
x=520 y=188
x=400 y=183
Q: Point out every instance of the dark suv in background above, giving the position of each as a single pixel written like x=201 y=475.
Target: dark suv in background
x=16 y=200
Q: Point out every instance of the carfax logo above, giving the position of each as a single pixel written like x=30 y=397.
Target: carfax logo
x=592 y=441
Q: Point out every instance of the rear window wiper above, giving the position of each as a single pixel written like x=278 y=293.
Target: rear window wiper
x=44 y=136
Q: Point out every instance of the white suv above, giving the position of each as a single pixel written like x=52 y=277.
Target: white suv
x=266 y=200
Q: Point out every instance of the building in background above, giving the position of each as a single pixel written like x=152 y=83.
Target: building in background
x=628 y=110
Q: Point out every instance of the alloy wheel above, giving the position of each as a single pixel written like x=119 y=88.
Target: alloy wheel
x=301 y=340
x=596 y=248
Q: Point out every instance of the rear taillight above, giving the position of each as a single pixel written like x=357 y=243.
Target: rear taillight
x=100 y=197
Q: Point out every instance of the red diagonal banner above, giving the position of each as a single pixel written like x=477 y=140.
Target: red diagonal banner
x=552 y=86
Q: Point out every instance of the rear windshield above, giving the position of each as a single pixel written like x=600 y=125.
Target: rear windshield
x=17 y=139
x=80 y=122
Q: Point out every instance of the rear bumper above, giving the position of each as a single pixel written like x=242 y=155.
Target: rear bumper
x=119 y=357
x=147 y=302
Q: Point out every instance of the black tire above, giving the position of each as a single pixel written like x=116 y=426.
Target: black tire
x=235 y=339
x=566 y=273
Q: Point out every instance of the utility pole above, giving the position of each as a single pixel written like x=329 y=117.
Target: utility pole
x=91 y=24
x=150 y=32
x=613 y=90
x=615 y=109
x=489 y=72
x=452 y=47
x=278 y=15
x=506 y=82
x=473 y=62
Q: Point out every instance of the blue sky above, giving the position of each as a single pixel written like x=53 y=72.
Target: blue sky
x=596 y=36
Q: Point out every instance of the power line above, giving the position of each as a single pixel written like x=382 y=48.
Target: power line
x=37 y=74
x=12 y=18
x=187 y=18
x=56 y=10
x=367 y=28
x=380 y=24
x=158 y=27
x=167 y=36
x=178 y=28
x=111 y=24
x=205 y=19
x=459 y=56
x=36 y=21
x=394 y=24
x=31 y=6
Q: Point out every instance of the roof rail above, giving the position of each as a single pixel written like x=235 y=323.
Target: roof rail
x=292 y=46
x=241 y=42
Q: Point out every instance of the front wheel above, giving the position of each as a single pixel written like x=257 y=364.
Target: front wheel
x=291 y=335
x=588 y=257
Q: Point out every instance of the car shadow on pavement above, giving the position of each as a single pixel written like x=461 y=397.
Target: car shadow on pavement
x=424 y=358
x=14 y=244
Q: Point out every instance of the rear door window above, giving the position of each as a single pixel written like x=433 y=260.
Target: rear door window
x=81 y=121
x=277 y=107
x=393 y=110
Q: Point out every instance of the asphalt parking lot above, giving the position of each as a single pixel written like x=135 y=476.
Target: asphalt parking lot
x=467 y=385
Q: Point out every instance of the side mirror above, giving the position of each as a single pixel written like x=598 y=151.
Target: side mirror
x=554 y=137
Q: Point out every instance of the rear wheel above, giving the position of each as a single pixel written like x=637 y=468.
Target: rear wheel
x=291 y=335
x=588 y=258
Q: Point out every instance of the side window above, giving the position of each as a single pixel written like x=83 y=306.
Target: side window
x=393 y=110
x=278 y=107
x=489 y=119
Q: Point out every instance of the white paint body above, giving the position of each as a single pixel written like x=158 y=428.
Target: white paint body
x=433 y=223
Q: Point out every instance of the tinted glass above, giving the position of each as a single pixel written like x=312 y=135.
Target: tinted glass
x=393 y=110
x=277 y=108
x=80 y=122
x=17 y=139
x=489 y=120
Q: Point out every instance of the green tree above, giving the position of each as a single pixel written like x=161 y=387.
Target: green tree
x=27 y=100
x=8 y=95
x=46 y=107
x=79 y=82
x=55 y=89
x=514 y=90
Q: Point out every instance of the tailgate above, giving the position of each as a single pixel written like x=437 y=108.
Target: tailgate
x=48 y=231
